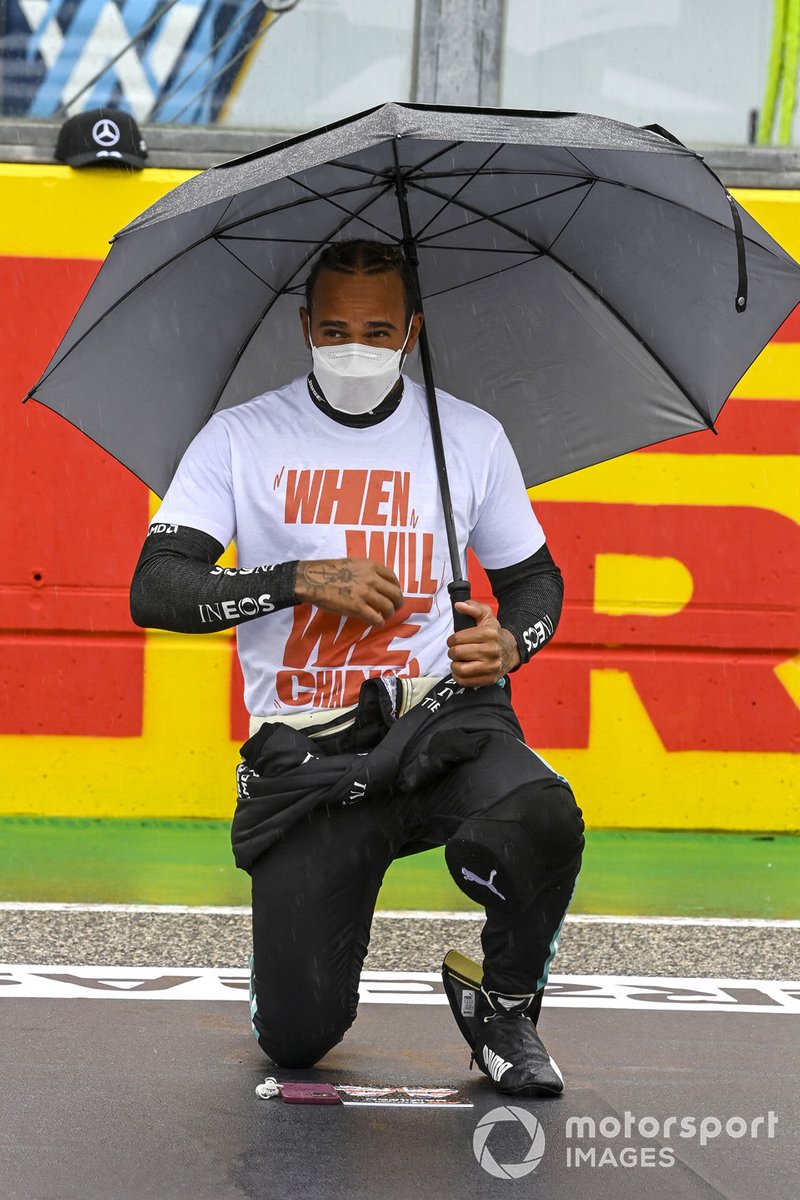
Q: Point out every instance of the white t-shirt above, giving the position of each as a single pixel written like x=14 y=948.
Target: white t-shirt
x=287 y=482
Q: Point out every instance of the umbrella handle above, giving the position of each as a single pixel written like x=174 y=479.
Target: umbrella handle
x=460 y=590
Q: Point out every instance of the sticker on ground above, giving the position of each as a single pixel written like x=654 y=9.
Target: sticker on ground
x=654 y=993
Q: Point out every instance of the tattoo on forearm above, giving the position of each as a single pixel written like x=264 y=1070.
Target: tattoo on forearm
x=319 y=576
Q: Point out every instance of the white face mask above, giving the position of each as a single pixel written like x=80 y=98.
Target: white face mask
x=355 y=378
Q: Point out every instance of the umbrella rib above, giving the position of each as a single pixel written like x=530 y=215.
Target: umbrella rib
x=579 y=161
x=611 y=308
x=407 y=173
x=242 y=263
x=490 y=275
x=213 y=236
x=282 y=291
x=457 y=172
x=417 y=166
x=633 y=187
x=120 y=299
x=244 y=237
x=594 y=178
x=738 y=232
x=344 y=166
x=513 y=208
x=341 y=208
x=458 y=192
x=267 y=212
x=224 y=211
x=168 y=262
x=429 y=245
x=482 y=216
x=271 y=212
x=740 y=237
x=574 y=212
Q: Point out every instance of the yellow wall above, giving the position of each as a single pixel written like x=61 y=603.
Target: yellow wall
x=182 y=762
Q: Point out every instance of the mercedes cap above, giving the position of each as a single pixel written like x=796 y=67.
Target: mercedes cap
x=101 y=137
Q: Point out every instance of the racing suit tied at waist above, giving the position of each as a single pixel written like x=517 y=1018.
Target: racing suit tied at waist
x=403 y=734
x=406 y=691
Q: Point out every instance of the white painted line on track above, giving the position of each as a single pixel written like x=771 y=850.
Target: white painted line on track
x=239 y=910
x=610 y=919
x=400 y=914
x=617 y=992
x=716 y=922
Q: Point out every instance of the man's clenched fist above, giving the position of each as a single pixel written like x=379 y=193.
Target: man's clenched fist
x=486 y=652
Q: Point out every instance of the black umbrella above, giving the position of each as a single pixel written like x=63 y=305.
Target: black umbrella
x=591 y=284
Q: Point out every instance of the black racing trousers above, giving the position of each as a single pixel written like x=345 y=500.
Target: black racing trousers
x=314 y=891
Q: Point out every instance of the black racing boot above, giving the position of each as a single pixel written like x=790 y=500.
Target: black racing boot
x=508 y=1048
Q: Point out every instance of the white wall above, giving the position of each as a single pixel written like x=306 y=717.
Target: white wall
x=325 y=60
x=695 y=66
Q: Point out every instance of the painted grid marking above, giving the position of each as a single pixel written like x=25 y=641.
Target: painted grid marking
x=641 y=993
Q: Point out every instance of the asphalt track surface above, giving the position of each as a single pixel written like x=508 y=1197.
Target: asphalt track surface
x=129 y=1070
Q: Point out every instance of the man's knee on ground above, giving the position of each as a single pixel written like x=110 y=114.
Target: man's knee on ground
x=301 y=1035
x=299 y=1054
x=529 y=840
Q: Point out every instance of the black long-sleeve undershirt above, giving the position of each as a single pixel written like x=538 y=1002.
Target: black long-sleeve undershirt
x=178 y=586
x=529 y=596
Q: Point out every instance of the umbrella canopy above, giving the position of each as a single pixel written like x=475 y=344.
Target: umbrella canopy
x=592 y=285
